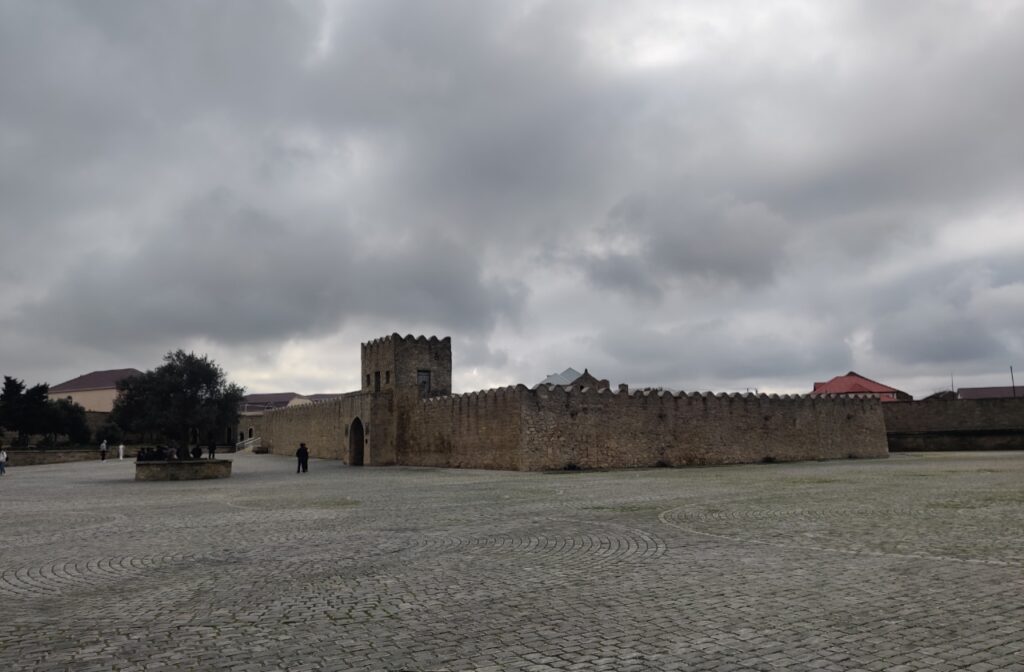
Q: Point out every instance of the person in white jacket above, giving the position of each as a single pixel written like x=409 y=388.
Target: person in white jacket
x=120 y=451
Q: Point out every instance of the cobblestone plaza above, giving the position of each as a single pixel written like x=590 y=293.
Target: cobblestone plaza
x=911 y=563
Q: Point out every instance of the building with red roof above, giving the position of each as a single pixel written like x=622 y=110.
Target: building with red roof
x=853 y=383
x=94 y=391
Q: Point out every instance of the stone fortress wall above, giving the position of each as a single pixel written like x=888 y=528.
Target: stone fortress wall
x=416 y=420
x=480 y=430
x=592 y=429
x=955 y=424
x=324 y=426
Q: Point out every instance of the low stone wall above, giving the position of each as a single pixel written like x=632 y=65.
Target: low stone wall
x=995 y=439
x=18 y=457
x=182 y=470
x=955 y=424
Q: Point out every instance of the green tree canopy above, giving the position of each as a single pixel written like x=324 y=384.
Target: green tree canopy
x=188 y=398
x=31 y=412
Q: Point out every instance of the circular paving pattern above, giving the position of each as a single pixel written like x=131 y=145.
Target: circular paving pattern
x=849 y=565
x=598 y=546
x=973 y=535
x=74 y=576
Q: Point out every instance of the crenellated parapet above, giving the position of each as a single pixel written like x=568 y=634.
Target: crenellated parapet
x=392 y=339
x=498 y=393
x=646 y=393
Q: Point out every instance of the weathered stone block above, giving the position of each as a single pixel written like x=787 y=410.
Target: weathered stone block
x=182 y=470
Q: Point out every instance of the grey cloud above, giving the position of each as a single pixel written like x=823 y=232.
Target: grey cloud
x=719 y=350
x=236 y=275
x=936 y=339
x=680 y=237
x=624 y=273
x=442 y=166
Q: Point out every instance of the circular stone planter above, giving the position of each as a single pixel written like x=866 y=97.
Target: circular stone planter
x=182 y=470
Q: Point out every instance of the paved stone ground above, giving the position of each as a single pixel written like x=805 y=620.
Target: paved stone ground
x=911 y=563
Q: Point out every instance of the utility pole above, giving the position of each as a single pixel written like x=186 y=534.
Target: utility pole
x=1013 y=385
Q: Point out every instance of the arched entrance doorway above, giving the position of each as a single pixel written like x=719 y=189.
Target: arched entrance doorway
x=355 y=444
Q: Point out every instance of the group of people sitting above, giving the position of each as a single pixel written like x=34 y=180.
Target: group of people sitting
x=176 y=452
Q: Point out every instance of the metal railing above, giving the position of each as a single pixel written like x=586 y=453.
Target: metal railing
x=249 y=444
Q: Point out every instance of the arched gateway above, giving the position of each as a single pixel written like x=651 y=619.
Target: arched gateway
x=355 y=444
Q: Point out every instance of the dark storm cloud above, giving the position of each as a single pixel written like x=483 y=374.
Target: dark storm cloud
x=234 y=275
x=246 y=173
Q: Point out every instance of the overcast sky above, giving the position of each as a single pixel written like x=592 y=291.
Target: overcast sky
x=702 y=195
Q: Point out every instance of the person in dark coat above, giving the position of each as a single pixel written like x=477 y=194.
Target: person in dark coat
x=303 y=454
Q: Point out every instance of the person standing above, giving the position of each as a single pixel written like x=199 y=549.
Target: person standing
x=3 y=460
x=120 y=451
x=211 y=450
x=303 y=454
x=103 y=451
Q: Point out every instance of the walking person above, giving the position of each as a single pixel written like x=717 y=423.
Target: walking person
x=3 y=460
x=120 y=451
x=103 y=451
x=303 y=454
x=211 y=450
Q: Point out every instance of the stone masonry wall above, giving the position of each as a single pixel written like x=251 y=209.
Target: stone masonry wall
x=429 y=354
x=253 y=421
x=378 y=356
x=323 y=426
x=559 y=427
x=31 y=457
x=398 y=359
x=955 y=424
x=936 y=415
x=479 y=430
x=591 y=429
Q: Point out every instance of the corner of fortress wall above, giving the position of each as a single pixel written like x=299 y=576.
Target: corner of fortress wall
x=955 y=424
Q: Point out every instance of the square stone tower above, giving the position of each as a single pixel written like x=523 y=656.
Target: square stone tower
x=408 y=363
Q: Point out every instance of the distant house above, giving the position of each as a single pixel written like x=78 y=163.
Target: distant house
x=853 y=383
x=257 y=403
x=94 y=391
x=988 y=392
x=573 y=377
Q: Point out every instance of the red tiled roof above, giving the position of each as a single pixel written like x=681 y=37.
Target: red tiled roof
x=97 y=380
x=852 y=383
